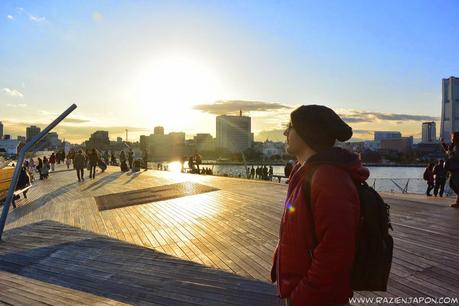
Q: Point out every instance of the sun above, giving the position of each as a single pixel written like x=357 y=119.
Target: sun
x=173 y=84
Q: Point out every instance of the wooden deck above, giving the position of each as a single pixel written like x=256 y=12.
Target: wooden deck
x=212 y=248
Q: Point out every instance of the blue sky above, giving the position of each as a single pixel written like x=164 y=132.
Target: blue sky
x=139 y=64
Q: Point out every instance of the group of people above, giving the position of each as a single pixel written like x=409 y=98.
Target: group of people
x=261 y=173
x=194 y=161
x=436 y=175
x=88 y=160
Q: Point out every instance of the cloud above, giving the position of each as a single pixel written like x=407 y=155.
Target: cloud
x=16 y=105
x=31 y=17
x=13 y=92
x=36 y=18
x=273 y=135
x=368 y=117
x=97 y=17
x=364 y=132
x=233 y=106
x=75 y=120
x=10 y=17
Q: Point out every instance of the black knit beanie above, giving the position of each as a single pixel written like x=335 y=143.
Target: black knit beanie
x=319 y=126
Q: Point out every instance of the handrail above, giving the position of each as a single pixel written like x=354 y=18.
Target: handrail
x=20 y=161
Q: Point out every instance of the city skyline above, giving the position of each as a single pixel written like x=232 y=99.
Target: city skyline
x=179 y=65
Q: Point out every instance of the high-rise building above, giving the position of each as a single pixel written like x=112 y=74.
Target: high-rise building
x=429 y=132
x=234 y=133
x=380 y=135
x=449 y=107
x=31 y=132
x=159 y=130
x=1 y=130
x=164 y=147
x=204 y=142
x=99 y=140
x=401 y=144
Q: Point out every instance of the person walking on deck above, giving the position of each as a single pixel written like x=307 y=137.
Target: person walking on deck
x=452 y=164
x=429 y=177
x=45 y=168
x=68 y=161
x=52 y=161
x=39 y=166
x=79 y=162
x=314 y=257
x=130 y=158
x=93 y=159
x=440 y=178
x=113 y=161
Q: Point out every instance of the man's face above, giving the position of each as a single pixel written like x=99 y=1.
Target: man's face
x=295 y=144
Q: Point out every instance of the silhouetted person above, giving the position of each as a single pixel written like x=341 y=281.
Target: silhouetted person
x=93 y=159
x=439 y=172
x=79 y=162
x=452 y=164
x=252 y=172
x=113 y=159
x=191 y=164
x=45 y=168
x=197 y=161
x=265 y=173
x=429 y=178
x=23 y=182
x=130 y=158
x=258 y=172
x=39 y=166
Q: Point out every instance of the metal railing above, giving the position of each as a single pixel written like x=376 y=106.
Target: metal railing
x=404 y=185
x=20 y=161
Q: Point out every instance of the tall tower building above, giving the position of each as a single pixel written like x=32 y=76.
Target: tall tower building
x=31 y=132
x=449 y=107
x=233 y=133
x=429 y=132
x=1 y=130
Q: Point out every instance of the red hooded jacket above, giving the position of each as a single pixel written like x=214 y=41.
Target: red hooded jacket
x=319 y=275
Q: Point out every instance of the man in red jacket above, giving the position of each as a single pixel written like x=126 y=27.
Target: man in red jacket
x=314 y=257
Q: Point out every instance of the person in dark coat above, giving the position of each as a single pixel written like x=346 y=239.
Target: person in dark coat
x=79 y=162
x=93 y=159
x=23 y=182
x=452 y=164
x=439 y=172
x=39 y=166
x=308 y=273
x=429 y=177
x=130 y=158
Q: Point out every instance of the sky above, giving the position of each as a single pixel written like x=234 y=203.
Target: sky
x=139 y=64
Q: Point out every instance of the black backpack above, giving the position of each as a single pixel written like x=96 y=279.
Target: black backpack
x=374 y=246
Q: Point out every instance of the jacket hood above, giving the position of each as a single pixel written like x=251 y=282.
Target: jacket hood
x=344 y=159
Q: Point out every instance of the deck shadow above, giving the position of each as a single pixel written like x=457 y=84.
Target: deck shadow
x=24 y=209
x=62 y=255
x=103 y=181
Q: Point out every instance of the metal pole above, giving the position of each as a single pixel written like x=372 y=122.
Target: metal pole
x=20 y=161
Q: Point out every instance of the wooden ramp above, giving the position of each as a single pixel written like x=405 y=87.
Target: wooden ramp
x=212 y=248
